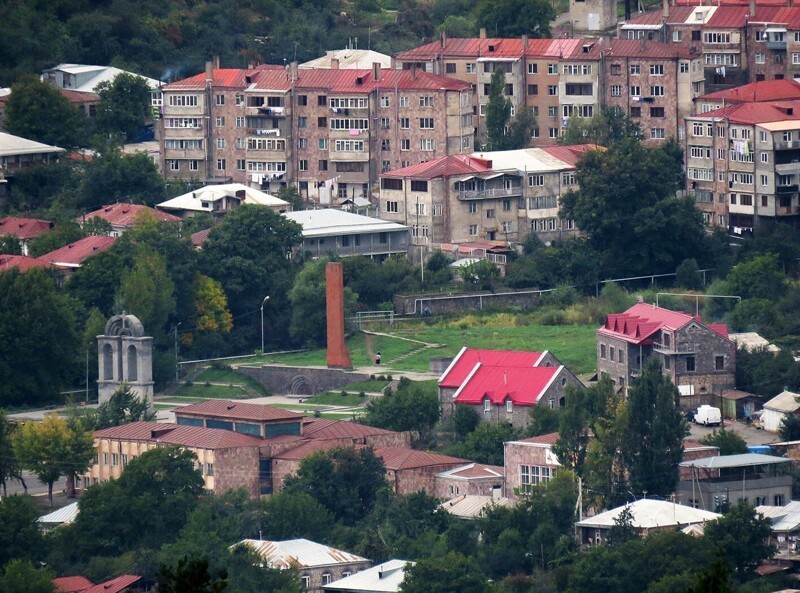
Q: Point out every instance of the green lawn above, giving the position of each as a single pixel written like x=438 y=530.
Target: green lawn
x=331 y=398
x=231 y=377
x=204 y=392
x=370 y=386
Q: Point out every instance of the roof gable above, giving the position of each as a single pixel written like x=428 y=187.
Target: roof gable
x=523 y=386
x=464 y=363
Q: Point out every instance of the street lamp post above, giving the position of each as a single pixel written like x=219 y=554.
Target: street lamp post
x=264 y=302
x=176 y=351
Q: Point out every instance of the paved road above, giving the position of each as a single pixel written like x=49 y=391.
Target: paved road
x=35 y=487
x=751 y=435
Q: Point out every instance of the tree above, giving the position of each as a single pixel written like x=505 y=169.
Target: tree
x=465 y=420
x=622 y=531
x=147 y=291
x=485 y=443
x=741 y=537
x=211 y=318
x=124 y=106
x=447 y=574
x=290 y=516
x=410 y=407
x=688 y=275
x=246 y=574
x=122 y=408
x=9 y=467
x=144 y=508
x=38 y=111
x=480 y=274
x=190 y=576
x=514 y=18
x=758 y=278
x=10 y=245
x=308 y=299
x=652 y=432
x=20 y=536
x=789 y=429
x=21 y=576
x=64 y=233
x=346 y=481
x=116 y=177
x=544 y=420
x=498 y=111
x=521 y=129
x=607 y=126
x=715 y=579
x=290 y=194
x=729 y=442
x=53 y=448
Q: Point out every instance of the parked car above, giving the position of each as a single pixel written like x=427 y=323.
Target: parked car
x=707 y=416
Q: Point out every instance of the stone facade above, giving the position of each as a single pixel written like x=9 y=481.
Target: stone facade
x=125 y=358
x=450 y=484
x=529 y=462
x=301 y=380
x=314 y=578
x=408 y=481
x=418 y=304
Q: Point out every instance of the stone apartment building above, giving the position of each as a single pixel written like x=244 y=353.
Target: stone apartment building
x=529 y=462
x=329 y=131
x=698 y=358
x=493 y=196
x=742 y=162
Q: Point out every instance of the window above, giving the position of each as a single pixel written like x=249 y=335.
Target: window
x=302 y=143
x=684 y=67
x=616 y=69
x=473 y=230
x=506 y=205
x=552 y=111
x=719 y=363
x=716 y=38
x=690 y=364
x=173 y=165
x=385 y=144
x=765 y=180
x=240 y=164
x=182 y=101
x=306 y=581
x=779 y=501
x=535 y=180
x=209 y=469
x=438 y=210
x=795 y=58
x=426 y=123
x=385 y=101
x=676 y=37
x=490 y=213
x=657 y=91
x=552 y=90
x=427 y=145
x=533 y=68
x=323 y=143
x=392 y=206
x=422 y=186
x=322 y=122
x=303 y=165
x=635 y=69
x=611 y=353
x=657 y=112
x=552 y=68
x=602 y=351
x=533 y=89
x=696 y=35
x=241 y=143
x=487 y=405
x=636 y=112
x=384 y=123
x=349 y=146
x=759 y=57
x=473 y=207
x=470 y=68
x=322 y=165
x=240 y=121
x=509 y=406
x=220 y=121
x=636 y=90
x=404 y=102
x=326 y=579
x=405 y=144
x=405 y=123
x=764 y=157
x=553 y=133
x=302 y=122
x=426 y=101
x=616 y=90
x=221 y=165
x=114 y=459
x=620 y=358
x=302 y=100
x=656 y=69
x=568 y=179
x=194 y=165
x=657 y=133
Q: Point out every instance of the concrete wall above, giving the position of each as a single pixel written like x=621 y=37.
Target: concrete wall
x=437 y=305
x=301 y=380
x=448 y=488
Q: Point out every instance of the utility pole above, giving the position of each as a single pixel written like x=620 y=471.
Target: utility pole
x=264 y=302
x=176 y=351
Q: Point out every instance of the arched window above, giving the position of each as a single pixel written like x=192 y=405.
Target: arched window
x=133 y=371
x=108 y=362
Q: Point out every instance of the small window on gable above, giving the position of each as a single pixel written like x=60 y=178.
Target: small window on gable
x=487 y=406
x=509 y=406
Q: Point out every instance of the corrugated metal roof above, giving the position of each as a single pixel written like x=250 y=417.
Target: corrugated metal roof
x=79 y=96
x=649 y=514
x=728 y=17
x=75 y=584
x=464 y=363
x=11 y=145
x=331 y=221
x=24 y=228
x=327 y=428
x=473 y=471
x=308 y=448
x=637 y=48
x=200 y=237
x=223 y=78
x=65 y=514
x=446 y=166
x=641 y=321
x=677 y=16
x=398 y=458
x=101 y=74
x=486 y=49
x=728 y=461
x=524 y=386
x=784 y=519
x=570 y=154
x=755 y=92
x=74 y=254
x=349 y=59
x=754 y=113
x=471 y=506
x=201 y=200
x=237 y=410
x=543 y=439
x=301 y=553
x=785 y=401
x=383 y=578
x=116 y=585
x=127 y=215
x=174 y=434
x=22 y=263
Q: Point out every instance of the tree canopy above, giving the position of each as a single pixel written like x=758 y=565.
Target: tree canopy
x=124 y=106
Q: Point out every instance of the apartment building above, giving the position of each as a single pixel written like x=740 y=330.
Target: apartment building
x=742 y=164
x=330 y=131
x=503 y=195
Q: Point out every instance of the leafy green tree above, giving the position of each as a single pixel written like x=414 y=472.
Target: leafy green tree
x=116 y=177
x=521 y=129
x=688 y=275
x=147 y=291
x=544 y=420
x=248 y=253
x=20 y=536
x=38 y=111
x=290 y=194
x=53 y=448
x=765 y=372
x=64 y=233
x=211 y=315
x=480 y=274
x=789 y=430
x=9 y=468
x=122 y=408
x=190 y=576
x=345 y=481
x=9 y=245
x=455 y=25
x=513 y=18
x=308 y=296
x=376 y=283
x=758 y=278
x=450 y=573
x=498 y=111
x=653 y=431
x=247 y=575
x=622 y=531
x=21 y=576
x=607 y=126
x=144 y=508
x=715 y=579
x=465 y=420
x=729 y=442
x=410 y=407
x=485 y=443
x=290 y=516
x=741 y=537
x=124 y=106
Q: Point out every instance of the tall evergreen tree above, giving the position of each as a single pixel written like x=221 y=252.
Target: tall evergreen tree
x=498 y=111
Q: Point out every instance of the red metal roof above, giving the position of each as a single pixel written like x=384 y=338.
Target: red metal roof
x=174 y=434
x=75 y=253
x=543 y=439
x=730 y=2
x=127 y=215
x=476 y=471
x=570 y=154
x=223 y=78
x=237 y=410
x=446 y=166
x=308 y=448
x=523 y=386
x=24 y=228
x=397 y=458
x=637 y=48
x=757 y=92
x=116 y=585
x=72 y=584
x=503 y=48
x=327 y=429
x=641 y=321
x=756 y=113
x=200 y=237
x=23 y=263
x=464 y=363
x=79 y=96
x=677 y=16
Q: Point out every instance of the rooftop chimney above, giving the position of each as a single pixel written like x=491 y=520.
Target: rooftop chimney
x=293 y=70
x=752 y=8
x=443 y=39
x=665 y=9
x=376 y=71
x=334 y=63
x=216 y=61
x=482 y=33
x=209 y=71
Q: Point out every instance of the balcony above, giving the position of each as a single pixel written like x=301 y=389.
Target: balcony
x=267 y=111
x=263 y=132
x=787 y=144
x=786 y=190
x=183 y=153
x=482 y=194
x=681 y=348
x=788 y=168
x=348 y=157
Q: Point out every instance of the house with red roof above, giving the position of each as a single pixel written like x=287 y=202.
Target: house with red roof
x=488 y=196
x=123 y=216
x=698 y=358
x=21 y=263
x=24 y=229
x=261 y=117
x=80 y=584
x=473 y=479
x=410 y=470
x=72 y=256
x=503 y=386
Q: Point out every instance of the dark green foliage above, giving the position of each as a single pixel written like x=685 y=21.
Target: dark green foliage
x=688 y=275
x=604 y=128
x=124 y=106
x=729 y=442
x=465 y=420
x=766 y=373
x=715 y=579
x=122 y=408
x=345 y=481
x=290 y=516
x=544 y=420
x=190 y=576
x=410 y=407
x=39 y=339
x=247 y=575
x=741 y=537
x=622 y=530
x=757 y=278
x=447 y=574
x=9 y=245
x=21 y=576
x=377 y=283
x=116 y=177
x=20 y=536
x=789 y=430
x=485 y=443
x=9 y=466
x=583 y=408
x=498 y=111
x=513 y=18
x=37 y=111
x=64 y=233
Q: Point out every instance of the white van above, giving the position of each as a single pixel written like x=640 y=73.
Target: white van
x=707 y=415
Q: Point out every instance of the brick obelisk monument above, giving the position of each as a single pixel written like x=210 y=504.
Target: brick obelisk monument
x=338 y=357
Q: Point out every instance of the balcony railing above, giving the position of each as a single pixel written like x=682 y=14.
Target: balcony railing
x=681 y=348
x=788 y=168
x=482 y=194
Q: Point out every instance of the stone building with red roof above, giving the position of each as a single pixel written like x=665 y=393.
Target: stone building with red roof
x=529 y=462
x=123 y=216
x=698 y=358
x=329 y=131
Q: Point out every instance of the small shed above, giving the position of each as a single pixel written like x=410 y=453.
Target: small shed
x=737 y=404
x=778 y=407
